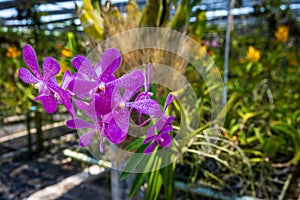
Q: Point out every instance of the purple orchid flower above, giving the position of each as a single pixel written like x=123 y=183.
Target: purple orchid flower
x=107 y=101
x=163 y=126
x=92 y=81
x=130 y=84
x=106 y=127
x=46 y=84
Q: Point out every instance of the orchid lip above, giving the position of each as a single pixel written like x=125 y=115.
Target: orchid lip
x=101 y=86
x=122 y=105
x=37 y=86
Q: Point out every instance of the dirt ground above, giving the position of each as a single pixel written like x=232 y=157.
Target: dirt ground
x=23 y=176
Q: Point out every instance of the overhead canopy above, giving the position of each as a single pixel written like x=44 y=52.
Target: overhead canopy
x=57 y=14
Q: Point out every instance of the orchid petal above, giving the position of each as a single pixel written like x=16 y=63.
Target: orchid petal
x=161 y=122
x=166 y=129
x=170 y=99
x=150 y=148
x=91 y=112
x=151 y=130
x=86 y=139
x=116 y=97
x=80 y=104
x=167 y=140
x=149 y=139
x=30 y=59
x=146 y=106
x=79 y=123
x=26 y=76
x=85 y=66
x=108 y=78
x=48 y=102
x=170 y=120
x=110 y=61
x=130 y=81
x=121 y=118
x=66 y=79
x=114 y=133
x=83 y=86
x=64 y=97
x=50 y=68
x=103 y=102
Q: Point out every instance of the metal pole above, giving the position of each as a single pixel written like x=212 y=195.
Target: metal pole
x=227 y=49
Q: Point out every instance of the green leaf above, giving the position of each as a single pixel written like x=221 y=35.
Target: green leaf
x=259 y=136
x=135 y=144
x=253 y=152
x=141 y=177
x=168 y=181
x=138 y=181
x=154 y=182
x=133 y=162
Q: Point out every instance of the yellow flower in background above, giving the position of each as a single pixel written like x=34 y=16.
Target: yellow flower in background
x=13 y=52
x=253 y=54
x=63 y=67
x=66 y=53
x=282 y=33
x=241 y=60
x=202 y=52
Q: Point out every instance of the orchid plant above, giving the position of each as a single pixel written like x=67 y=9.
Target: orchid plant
x=108 y=101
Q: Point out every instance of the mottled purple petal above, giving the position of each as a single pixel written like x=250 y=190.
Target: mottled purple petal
x=167 y=140
x=146 y=106
x=79 y=123
x=110 y=61
x=80 y=104
x=30 y=59
x=50 y=68
x=114 y=134
x=151 y=130
x=160 y=123
x=149 y=139
x=170 y=99
x=85 y=66
x=116 y=97
x=26 y=76
x=91 y=112
x=121 y=118
x=130 y=81
x=86 y=139
x=163 y=121
x=108 y=78
x=166 y=129
x=83 y=86
x=170 y=120
x=66 y=79
x=103 y=101
x=150 y=148
x=77 y=60
x=64 y=97
x=48 y=102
